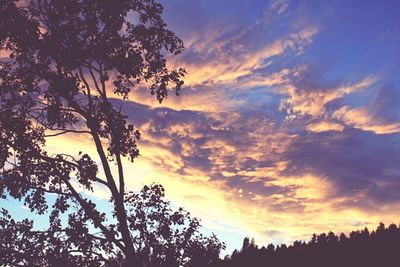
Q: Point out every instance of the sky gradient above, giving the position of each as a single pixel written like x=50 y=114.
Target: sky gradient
x=288 y=123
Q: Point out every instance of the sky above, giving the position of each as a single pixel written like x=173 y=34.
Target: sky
x=288 y=123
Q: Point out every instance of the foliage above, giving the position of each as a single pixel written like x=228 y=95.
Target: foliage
x=67 y=60
x=162 y=237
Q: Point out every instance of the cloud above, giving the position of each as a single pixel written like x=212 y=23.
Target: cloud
x=325 y=109
x=224 y=59
x=220 y=68
x=353 y=160
x=279 y=6
x=324 y=126
x=313 y=101
x=4 y=54
x=381 y=117
x=362 y=118
x=258 y=168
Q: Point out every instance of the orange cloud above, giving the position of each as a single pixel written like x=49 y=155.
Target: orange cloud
x=324 y=126
x=226 y=68
x=362 y=119
x=312 y=102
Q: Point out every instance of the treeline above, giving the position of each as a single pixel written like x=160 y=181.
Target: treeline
x=361 y=248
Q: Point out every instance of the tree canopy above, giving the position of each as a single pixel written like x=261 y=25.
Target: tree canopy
x=66 y=61
x=161 y=237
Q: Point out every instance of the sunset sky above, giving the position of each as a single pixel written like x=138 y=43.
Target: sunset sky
x=288 y=123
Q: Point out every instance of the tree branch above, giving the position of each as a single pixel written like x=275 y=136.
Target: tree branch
x=87 y=89
x=102 y=80
x=94 y=80
x=65 y=132
x=48 y=127
x=118 y=199
x=88 y=210
x=102 y=182
x=120 y=174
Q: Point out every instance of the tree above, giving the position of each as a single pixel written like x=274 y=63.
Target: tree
x=162 y=237
x=360 y=248
x=67 y=60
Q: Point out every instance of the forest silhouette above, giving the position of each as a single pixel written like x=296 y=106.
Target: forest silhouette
x=380 y=247
x=66 y=62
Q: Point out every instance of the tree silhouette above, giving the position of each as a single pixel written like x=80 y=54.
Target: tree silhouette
x=67 y=60
x=161 y=237
x=360 y=248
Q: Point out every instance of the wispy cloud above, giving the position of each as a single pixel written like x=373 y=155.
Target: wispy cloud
x=313 y=101
x=362 y=118
x=381 y=116
x=224 y=59
x=324 y=126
